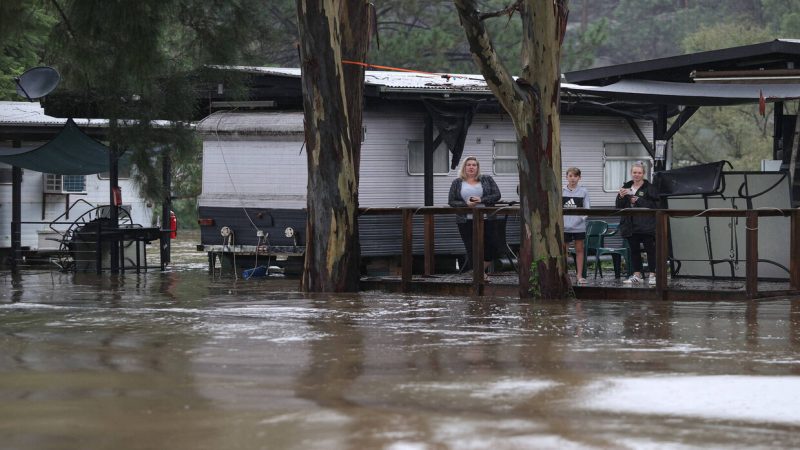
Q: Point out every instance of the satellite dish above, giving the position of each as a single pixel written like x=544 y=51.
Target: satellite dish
x=37 y=82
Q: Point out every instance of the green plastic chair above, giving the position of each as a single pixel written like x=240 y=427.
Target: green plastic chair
x=596 y=232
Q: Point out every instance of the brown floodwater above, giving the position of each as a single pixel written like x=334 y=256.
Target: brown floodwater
x=188 y=360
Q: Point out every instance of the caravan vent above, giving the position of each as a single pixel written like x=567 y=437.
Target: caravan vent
x=64 y=184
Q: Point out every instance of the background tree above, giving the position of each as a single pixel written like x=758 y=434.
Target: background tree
x=738 y=134
x=24 y=28
x=532 y=101
x=332 y=103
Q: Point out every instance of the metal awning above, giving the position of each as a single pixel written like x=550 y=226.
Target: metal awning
x=687 y=94
x=71 y=152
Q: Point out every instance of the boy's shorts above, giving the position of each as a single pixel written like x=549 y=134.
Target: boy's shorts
x=569 y=237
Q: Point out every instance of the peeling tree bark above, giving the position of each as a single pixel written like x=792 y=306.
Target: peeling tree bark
x=532 y=101
x=330 y=31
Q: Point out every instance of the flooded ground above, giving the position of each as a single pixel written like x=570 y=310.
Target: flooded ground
x=186 y=360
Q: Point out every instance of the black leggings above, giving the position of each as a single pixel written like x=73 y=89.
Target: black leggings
x=465 y=229
x=649 y=242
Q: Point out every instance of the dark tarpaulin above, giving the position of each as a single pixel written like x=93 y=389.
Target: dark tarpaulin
x=699 y=179
x=71 y=152
x=452 y=118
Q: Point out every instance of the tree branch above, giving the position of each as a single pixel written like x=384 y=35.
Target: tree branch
x=64 y=18
x=507 y=11
x=494 y=72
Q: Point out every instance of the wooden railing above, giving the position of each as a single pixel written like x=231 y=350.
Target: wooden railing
x=662 y=233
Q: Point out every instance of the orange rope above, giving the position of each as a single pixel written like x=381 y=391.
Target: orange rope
x=396 y=69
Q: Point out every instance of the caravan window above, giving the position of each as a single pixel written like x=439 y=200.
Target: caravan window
x=505 y=157
x=416 y=159
x=618 y=159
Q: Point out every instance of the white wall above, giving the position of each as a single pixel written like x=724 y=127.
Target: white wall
x=272 y=171
x=97 y=194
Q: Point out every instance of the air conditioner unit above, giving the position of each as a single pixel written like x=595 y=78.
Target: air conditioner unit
x=64 y=184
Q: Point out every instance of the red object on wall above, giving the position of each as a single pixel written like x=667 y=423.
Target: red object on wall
x=117 y=195
x=173 y=225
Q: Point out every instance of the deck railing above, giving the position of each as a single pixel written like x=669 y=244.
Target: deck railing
x=662 y=234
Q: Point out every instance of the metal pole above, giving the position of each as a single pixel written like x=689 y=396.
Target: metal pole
x=751 y=242
x=113 y=181
x=407 y=257
x=166 y=208
x=16 y=216
x=477 y=254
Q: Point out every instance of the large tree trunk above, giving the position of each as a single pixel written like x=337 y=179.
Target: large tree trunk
x=332 y=100
x=533 y=104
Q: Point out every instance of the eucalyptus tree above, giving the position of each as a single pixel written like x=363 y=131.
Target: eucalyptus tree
x=331 y=32
x=532 y=101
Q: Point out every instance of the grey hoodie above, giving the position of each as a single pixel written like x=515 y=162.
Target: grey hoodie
x=579 y=198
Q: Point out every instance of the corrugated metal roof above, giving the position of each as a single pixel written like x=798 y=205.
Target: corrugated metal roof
x=392 y=81
x=31 y=114
x=257 y=123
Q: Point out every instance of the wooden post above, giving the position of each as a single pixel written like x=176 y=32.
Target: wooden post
x=477 y=254
x=166 y=208
x=751 y=225
x=794 y=250
x=113 y=184
x=662 y=252
x=16 y=212
x=430 y=259
x=407 y=258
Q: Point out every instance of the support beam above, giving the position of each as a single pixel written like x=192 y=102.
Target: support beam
x=407 y=257
x=16 y=216
x=430 y=256
x=680 y=121
x=477 y=254
x=428 y=156
x=642 y=138
x=166 y=208
x=662 y=253
x=660 y=134
x=778 y=141
x=113 y=183
x=794 y=250
x=751 y=243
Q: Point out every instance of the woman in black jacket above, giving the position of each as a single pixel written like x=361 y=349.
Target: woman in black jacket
x=473 y=189
x=639 y=230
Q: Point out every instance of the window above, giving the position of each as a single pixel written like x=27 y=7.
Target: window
x=505 y=157
x=416 y=159
x=619 y=158
x=64 y=184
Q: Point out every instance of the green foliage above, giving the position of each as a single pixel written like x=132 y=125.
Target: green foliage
x=580 y=48
x=24 y=28
x=535 y=279
x=738 y=134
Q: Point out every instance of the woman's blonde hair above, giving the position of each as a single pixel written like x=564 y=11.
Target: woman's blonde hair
x=463 y=174
x=639 y=164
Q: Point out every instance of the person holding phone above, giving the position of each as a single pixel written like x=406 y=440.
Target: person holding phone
x=471 y=189
x=639 y=230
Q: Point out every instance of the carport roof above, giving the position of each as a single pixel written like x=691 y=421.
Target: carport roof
x=71 y=152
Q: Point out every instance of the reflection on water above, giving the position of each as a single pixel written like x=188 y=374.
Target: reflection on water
x=186 y=360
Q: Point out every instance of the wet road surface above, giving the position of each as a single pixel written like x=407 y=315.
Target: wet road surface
x=184 y=360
